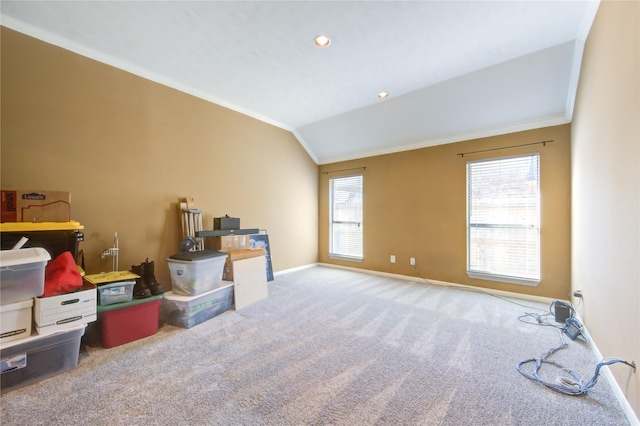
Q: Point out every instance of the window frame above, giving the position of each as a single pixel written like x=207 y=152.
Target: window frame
x=521 y=279
x=342 y=256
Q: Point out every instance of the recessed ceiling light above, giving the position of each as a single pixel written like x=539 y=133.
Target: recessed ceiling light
x=383 y=95
x=322 y=41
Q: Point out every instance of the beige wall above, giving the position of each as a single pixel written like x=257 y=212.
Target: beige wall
x=606 y=188
x=415 y=206
x=127 y=149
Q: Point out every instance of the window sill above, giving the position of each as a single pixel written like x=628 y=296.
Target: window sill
x=345 y=258
x=503 y=278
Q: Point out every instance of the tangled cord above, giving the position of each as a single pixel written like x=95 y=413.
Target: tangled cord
x=572 y=383
x=543 y=319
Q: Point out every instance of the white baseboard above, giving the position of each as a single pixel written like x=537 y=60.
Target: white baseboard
x=608 y=375
x=298 y=268
x=540 y=299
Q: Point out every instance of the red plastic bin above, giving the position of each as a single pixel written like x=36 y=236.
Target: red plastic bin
x=126 y=322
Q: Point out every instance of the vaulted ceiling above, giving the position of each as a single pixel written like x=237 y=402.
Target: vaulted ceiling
x=454 y=70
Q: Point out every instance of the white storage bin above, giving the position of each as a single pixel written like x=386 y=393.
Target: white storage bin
x=194 y=273
x=15 y=320
x=22 y=274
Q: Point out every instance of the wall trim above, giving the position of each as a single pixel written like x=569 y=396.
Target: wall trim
x=606 y=372
x=502 y=293
x=297 y=268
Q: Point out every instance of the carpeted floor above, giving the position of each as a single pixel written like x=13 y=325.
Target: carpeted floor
x=328 y=347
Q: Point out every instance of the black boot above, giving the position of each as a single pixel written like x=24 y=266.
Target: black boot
x=140 y=289
x=150 y=278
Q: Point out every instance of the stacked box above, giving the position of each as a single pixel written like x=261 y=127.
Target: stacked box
x=186 y=312
x=118 y=292
x=15 y=321
x=126 y=322
x=55 y=237
x=229 y=242
x=196 y=272
x=56 y=313
x=22 y=274
x=35 y=206
x=226 y=223
x=235 y=255
x=35 y=358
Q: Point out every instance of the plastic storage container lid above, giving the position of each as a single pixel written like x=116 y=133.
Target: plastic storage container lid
x=171 y=296
x=23 y=256
x=40 y=226
x=192 y=256
x=133 y=302
x=17 y=305
x=33 y=342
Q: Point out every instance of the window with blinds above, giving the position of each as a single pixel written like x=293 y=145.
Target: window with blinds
x=345 y=239
x=503 y=219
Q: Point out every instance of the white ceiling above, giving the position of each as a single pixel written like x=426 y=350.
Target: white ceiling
x=455 y=70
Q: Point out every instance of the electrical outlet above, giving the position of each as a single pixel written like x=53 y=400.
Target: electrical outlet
x=392 y=259
x=412 y=261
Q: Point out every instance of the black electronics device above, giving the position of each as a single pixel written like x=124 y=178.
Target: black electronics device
x=573 y=328
x=562 y=311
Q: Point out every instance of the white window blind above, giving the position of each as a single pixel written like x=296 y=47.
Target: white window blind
x=346 y=217
x=503 y=219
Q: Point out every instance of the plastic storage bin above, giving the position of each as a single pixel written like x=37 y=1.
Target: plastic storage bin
x=22 y=274
x=196 y=272
x=126 y=322
x=188 y=311
x=119 y=292
x=35 y=358
x=55 y=237
x=15 y=321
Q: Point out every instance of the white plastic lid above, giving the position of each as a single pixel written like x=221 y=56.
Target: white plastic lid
x=23 y=256
x=17 y=305
x=169 y=295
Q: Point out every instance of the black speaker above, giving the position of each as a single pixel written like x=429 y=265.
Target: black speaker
x=562 y=311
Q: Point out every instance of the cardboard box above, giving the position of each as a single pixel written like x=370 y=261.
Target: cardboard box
x=228 y=242
x=227 y=274
x=57 y=313
x=35 y=206
x=16 y=321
